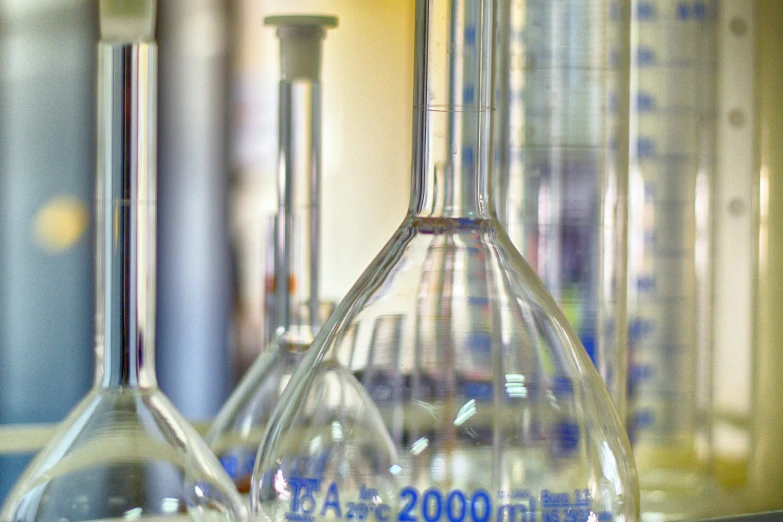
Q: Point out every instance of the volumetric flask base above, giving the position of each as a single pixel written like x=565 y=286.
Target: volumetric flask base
x=236 y=433
x=479 y=396
x=124 y=453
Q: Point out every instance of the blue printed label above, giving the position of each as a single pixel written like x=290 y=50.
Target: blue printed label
x=310 y=500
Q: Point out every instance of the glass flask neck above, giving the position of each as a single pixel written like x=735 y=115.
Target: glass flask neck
x=297 y=232
x=126 y=198
x=452 y=132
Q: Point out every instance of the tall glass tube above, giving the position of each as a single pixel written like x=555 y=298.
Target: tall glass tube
x=237 y=430
x=672 y=151
x=563 y=169
x=447 y=384
x=299 y=180
x=125 y=451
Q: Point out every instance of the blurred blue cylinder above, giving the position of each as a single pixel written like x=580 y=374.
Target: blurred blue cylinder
x=46 y=192
x=194 y=261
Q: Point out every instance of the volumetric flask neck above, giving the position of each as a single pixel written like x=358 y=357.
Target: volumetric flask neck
x=126 y=199
x=453 y=111
x=125 y=451
x=447 y=385
x=297 y=224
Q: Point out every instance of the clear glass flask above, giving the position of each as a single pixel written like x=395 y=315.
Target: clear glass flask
x=447 y=385
x=672 y=159
x=563 y=162
x=125 y=452
x=236 y=432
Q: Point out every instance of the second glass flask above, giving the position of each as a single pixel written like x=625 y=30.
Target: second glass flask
x=237 y=430
x=447 y=385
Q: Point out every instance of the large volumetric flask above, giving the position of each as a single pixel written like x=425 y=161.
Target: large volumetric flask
x=447 y=385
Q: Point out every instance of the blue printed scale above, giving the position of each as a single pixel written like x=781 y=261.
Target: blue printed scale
x=670 y=165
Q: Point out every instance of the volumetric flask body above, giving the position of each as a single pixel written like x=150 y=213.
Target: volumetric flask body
x=563 y=169
x=125 y=452
x=447 y=385
x=237 y=430
x=670 y=242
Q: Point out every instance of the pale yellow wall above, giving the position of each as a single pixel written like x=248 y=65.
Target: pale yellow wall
x=367 y=109
x=765 y=484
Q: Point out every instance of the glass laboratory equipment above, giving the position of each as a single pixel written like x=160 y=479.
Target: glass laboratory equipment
x=447 y=384
x=670 y=244
x=237 y=430
x=563 y=169
x=125 y=452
